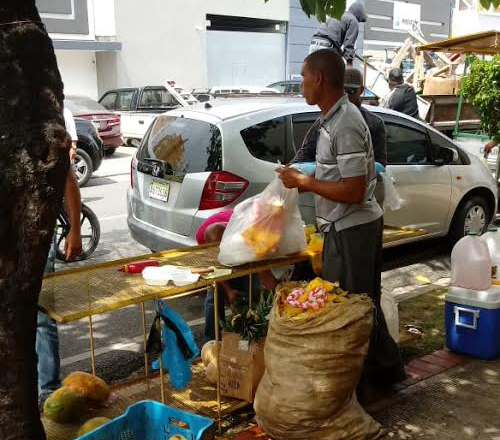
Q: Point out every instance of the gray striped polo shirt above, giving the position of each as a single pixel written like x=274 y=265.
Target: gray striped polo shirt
x=345 y=150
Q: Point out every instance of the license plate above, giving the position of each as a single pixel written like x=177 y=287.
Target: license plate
x=159 y=191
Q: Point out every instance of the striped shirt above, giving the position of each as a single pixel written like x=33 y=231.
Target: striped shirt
x=345 y=150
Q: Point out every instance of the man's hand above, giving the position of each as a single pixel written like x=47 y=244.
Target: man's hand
x=293 y=178
x=489 y=146
x=72 y=151
x=73 y=244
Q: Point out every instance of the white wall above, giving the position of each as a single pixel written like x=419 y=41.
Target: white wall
x=468 y=22
x=168 y=39
x=78 y=71
x=104 y=18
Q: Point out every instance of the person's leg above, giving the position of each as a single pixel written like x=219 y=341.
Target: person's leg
x=47 y=350
x=47 y=343
x=209 y=307
x=354 y=258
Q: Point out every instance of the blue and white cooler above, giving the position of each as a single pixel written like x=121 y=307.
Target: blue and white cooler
x=472 y=320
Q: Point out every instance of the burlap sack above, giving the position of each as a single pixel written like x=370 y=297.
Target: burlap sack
x=312 y=369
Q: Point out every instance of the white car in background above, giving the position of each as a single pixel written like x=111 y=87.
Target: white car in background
x=194 y=161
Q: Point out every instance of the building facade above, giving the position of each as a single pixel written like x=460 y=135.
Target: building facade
x=470 y=16
x=104 y=44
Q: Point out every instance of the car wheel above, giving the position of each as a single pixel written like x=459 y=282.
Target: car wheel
x=83 y=167
x=109 y=151
x=472 y=216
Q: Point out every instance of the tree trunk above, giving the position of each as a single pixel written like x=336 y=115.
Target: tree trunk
x=34 y=162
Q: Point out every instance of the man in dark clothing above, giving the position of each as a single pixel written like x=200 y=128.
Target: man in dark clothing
x=335 y=34
x=403 y=97
x=354 y=88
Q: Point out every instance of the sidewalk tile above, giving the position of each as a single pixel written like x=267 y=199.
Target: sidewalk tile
x=447 y=354
x=442 y=361
x=426 y=367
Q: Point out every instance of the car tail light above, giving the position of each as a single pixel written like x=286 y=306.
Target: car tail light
x=221 y=189
x=115 y=120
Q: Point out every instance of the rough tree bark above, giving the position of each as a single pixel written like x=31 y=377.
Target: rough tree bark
x=33 y=167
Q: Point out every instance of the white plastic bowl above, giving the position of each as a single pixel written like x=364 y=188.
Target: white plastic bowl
x=161 y=276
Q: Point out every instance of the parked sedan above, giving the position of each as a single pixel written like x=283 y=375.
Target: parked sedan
x=108 y=124
x=194 y=161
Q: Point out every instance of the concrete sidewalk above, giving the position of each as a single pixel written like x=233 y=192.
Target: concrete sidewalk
x=460 y=403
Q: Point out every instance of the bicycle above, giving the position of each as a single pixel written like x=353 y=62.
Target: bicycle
x=90 y=232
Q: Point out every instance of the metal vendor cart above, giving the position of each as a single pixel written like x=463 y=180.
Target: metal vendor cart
x=84 y=292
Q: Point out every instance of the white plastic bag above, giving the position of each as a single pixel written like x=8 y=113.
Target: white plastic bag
x=392 y=199
x=267 y=225
x=391 y=313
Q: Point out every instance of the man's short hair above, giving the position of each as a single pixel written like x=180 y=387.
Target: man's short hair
x=353 y=78
x=396 y=75
x=330 y=63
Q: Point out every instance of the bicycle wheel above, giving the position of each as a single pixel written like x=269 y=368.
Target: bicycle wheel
x=90 y=231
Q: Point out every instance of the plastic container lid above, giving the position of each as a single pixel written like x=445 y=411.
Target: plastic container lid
x=379 y=168
x=161 y=276
x=492 y=228
x=472 y=234
x=486 y=299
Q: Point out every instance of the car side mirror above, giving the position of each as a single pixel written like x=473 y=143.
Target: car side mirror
x=445 y=156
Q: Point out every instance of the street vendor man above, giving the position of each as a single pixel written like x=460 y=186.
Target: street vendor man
x=346 y=210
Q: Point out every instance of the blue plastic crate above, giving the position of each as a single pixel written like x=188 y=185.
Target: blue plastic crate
x=151 y=420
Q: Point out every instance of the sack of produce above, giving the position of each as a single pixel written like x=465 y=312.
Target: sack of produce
x=264 y=226
x=315 y=349
x=64 y=405
x=88 y=385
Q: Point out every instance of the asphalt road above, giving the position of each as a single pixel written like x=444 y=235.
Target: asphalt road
x=118 y=334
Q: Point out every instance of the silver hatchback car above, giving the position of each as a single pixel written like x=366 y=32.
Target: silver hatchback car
x=194 y=161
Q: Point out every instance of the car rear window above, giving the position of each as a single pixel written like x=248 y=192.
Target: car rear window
x=81 y=105
x=184 y=145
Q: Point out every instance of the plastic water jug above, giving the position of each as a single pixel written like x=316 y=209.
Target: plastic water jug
x=492 y=239
x=471 y=263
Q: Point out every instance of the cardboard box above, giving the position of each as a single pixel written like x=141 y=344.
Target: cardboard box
x=441 y=86
x=241 y=366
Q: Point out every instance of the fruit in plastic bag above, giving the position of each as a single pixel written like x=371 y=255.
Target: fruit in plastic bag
x=88 y=385
x=265 y=233
x=64 y=405
x=92 y=424
x=208 y=352
x=177 y=437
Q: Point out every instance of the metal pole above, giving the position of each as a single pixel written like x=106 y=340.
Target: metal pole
x=144 y=330
x=250 y=291
x=92 y=351
x=460 y=101
x=217 y=339
x=162 y=380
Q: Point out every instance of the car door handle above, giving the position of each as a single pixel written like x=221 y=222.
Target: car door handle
x=141 y=121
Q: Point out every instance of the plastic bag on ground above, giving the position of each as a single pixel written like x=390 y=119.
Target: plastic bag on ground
x=391 y=313
x=265 y=226
x=174 y=360
x=312 y=369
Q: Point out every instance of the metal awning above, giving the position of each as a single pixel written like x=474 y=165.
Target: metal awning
x=487 y=43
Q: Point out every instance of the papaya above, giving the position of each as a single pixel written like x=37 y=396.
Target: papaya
x=88 y=385
x=64 y=405
x=92 y=424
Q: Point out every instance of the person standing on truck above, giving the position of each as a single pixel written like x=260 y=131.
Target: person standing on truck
x=346 y=210
x=402 y=97
x=340 y=35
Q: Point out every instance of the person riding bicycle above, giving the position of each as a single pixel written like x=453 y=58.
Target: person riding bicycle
x=340 y=35
x=47 y=339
